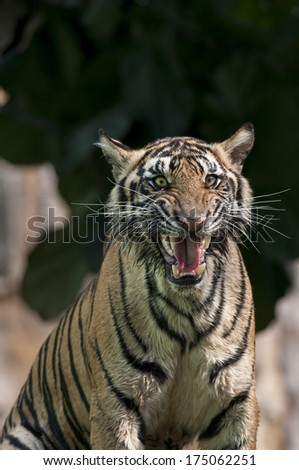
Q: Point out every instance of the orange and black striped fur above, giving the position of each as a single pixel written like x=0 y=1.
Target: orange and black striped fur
x=159 y=351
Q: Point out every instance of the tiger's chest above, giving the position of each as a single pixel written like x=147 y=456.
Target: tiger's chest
x=175 y=417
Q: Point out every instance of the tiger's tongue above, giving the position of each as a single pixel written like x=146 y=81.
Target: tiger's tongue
x=188 y=254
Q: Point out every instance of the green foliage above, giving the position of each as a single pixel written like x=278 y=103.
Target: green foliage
x=145 y=69
x=55 y=275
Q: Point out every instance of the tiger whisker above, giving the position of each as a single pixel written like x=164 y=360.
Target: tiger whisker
x=122 y=213
x=254 y=204
x=246 y=236
x=266 y=208
x=257 y=217
x=266 y=195
x=272 y=194
x=277 y=231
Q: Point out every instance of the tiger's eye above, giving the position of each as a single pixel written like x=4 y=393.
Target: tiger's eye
x=160 y=182
x=212 y=181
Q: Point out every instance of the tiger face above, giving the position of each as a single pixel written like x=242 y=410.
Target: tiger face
x=177 y=200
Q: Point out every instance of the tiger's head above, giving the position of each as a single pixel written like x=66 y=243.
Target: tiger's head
x=178 y=199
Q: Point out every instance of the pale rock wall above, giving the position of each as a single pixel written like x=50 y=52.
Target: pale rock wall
x=25 y=191
x=288 y=320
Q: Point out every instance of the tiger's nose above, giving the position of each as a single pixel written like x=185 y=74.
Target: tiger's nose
x=194 y=224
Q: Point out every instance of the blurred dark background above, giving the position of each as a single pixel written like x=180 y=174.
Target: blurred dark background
x=144 y=69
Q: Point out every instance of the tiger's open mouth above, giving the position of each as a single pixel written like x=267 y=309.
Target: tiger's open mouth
x=184 y=257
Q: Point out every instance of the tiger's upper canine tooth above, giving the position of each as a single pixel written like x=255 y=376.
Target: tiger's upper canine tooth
x=172 y=242
x=207 y=241
x=166 y=244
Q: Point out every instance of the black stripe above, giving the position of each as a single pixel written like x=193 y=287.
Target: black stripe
x=219 y=421
x=54 y=353
x=216 y=320
x=160 y=319
x=16 y=442
x=141 y=169
x=162 y=153
x=163 y=324
x=39 y=370
x=232 y=185
x=133 y=186
x=71 y=419
x=56 y=350
x=194 y=163
x=235 y=357
x=203 y=147
x=154 y=148
x=48 y=401
x=141 y=366
x=72 y=362
x=145 y=189
x=93 y=288
x=7 y=425
x=129 y=323
x=121 y=195
x=177 y=310
x=20 y=397
x=215 y=280
x=153 y=170
x=62 y=385
x=121 y=190
x=29 y=401
x=35 y=429
x=160 y=166
x=170 y=304
x=175 y=145
x=175 y=163
x=239 y=193
x=57 y=344
x=126 y=401
x=69 y=412
x=218 y=207
x=82 y=337
x=242 y=294
x=210 y=163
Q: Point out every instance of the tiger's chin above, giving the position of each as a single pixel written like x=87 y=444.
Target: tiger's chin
x=185 y=257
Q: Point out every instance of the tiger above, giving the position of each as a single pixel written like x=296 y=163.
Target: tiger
x=158 y=352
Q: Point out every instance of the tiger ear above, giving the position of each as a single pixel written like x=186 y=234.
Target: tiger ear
x=239 y=145
x=117 y=154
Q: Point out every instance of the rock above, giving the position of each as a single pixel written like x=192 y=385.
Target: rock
x=25 y=191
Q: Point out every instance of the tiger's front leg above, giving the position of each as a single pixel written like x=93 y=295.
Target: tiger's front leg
x=235 y=428
x=21 y=438
x=114 y=425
